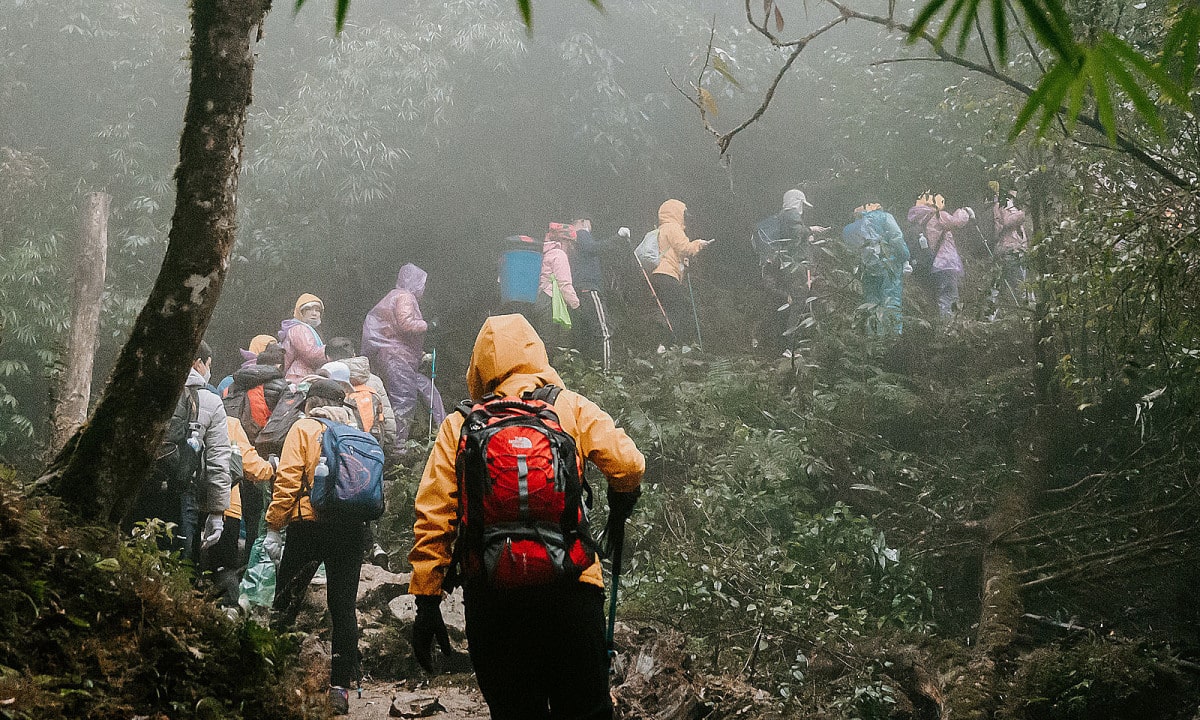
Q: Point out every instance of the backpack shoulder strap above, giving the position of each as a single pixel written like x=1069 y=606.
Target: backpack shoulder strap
x=546 y=393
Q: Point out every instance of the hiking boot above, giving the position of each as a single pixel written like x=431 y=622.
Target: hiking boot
x=339 y=701
x=379 y=557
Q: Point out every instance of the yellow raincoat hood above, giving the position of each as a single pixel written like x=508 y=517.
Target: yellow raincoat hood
x=671 y=212
x=260 y=342
x=509 y=358
x=305 y=299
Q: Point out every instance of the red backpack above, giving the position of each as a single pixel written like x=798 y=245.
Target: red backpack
x=522 y=521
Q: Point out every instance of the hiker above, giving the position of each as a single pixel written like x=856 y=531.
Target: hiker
x=393 y=336
x=251 y=474
x=304 y=350
x=362 y=382
x=1012 y=243
x=556 y=269
x=190 y=482
x=674 y=250
x=939 y=225
x=557 y=627
x=882 y=254
x=594 y=337
x=338 y=544
x=783 y=243
x=249 y=357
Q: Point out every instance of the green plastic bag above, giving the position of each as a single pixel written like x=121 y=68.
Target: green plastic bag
x=258 y=582
x=561 y=313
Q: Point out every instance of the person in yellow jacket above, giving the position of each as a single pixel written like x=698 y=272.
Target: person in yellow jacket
x=255 y=473
x=558 y=629
x=674 y=250
x=309 y=543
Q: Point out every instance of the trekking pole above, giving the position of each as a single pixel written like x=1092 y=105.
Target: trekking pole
x=649 y=284
x=618 y=545
x=432 y=389
x=992 y=256
x=695 y=315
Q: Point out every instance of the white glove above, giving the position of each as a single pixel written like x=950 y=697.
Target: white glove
x=273 y=546
x=970 y=211
x=213 y=526
x=274 y=461
x=908 y=268
x=623 y=232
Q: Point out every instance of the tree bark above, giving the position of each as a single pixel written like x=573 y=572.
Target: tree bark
x=76 y=388
x=98 y=472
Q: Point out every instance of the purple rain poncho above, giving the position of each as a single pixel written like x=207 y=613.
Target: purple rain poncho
x=394 y=338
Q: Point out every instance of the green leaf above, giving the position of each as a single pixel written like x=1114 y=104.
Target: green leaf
x=1054 y=81
x=343 y=9
x=1104 y=107
x=1000 y=29
x=526 y=9
x=1128 y=83
x=921 y=23
x=1139 y=62
x=971 y=11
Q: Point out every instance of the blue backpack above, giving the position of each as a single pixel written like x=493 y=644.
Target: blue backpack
x=348 y=483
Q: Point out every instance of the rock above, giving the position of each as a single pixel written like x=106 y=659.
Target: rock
x=404 y=609
x=378 y=587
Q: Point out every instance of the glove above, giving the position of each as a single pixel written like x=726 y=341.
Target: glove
x=970 y=212
x=908 y=268
x=213 y=526
x=274 y=462
x=431 y=324
x=623 y=232
x=621 y=504
x=273 y=546
x=429 y=625
x=994 y=187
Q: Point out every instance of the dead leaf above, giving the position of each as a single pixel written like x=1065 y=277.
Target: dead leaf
x=707 y=104
x=778 y=21
x=418 y=709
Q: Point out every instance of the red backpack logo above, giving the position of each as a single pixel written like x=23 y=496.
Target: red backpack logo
x=522 y=520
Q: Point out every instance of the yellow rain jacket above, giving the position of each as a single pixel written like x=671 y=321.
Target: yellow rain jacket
x=674 y=247
x=509 y=359
x=297 y=461
x=254 y=468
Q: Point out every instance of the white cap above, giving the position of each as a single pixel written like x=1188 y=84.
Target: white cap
x=339 y=372
x=795 y=200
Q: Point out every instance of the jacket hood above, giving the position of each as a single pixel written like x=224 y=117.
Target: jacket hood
x=260 y=343
x=252 y=376
x=305 y=299
x=509 y=358
x=360 y=369
x=920 y=214
x=795 y=201
x=671 y=212
x=412 y=279
x=195 y=379
x=336 y=413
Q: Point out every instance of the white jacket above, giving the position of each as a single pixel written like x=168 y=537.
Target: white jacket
x=212 y=493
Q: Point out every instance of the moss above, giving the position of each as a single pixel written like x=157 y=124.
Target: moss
x=94 y=627
x=1093 y=681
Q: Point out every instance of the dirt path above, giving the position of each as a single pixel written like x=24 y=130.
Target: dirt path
x=451 y=697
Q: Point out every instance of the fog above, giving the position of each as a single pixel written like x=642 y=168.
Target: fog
x=428 y=131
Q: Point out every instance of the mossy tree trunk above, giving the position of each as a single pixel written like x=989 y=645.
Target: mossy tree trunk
x=98 y=471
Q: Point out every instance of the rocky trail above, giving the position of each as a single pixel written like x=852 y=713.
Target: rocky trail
x=447 y=697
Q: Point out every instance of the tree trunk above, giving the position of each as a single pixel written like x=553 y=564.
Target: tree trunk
x=76 y=388
x=99 y=470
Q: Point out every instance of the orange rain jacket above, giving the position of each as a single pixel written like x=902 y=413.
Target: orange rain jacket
x=298 y=460
x=509 y=359
x=254 y=468
x=674 y=247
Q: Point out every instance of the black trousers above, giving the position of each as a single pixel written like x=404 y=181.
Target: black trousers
x=674 y=298
x=540 y=653
x=339 y=546
x=593 y=337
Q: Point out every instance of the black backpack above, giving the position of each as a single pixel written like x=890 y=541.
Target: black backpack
x=180 y=457
x=287 y=411
x=921 y=249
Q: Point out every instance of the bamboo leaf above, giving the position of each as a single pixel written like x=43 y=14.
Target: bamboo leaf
x=1052 y=103
x=1075 y=100
x=970 y=12
x=708 y=104
x=1048 y=31
x=1057 y=74
x=343 y=9
x=924 y=17
x=767 y=5
x=1133 y=90
x=526 y=9
x=778 y=20
x=1000 y=29
x=1142 y=64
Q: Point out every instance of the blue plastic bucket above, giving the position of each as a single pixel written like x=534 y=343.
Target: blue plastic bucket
x=520 y=271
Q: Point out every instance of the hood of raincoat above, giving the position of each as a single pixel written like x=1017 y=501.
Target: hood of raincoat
x=412 y=279
x=360 y=369
x=305 y=299
x=920 y=214
x=336 y=413
x=795 y=201
x=671 y=212
x=260 y=343
x=509 y=358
